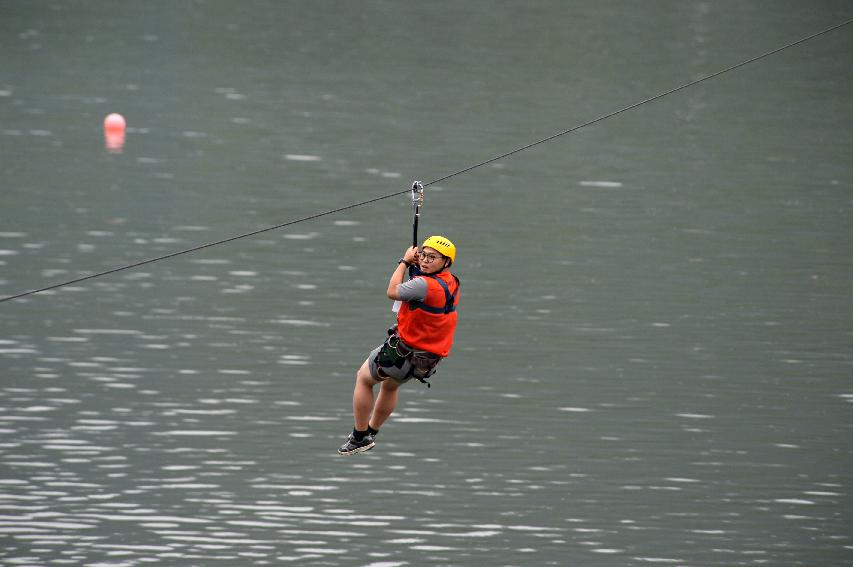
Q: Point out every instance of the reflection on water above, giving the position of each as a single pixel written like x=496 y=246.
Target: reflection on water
x=167 y=473
x=111 y=460
x=653 y=358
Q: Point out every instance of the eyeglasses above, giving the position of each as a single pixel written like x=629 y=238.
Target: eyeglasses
x=429 y=257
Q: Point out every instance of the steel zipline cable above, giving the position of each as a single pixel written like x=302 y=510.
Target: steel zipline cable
x=438 y=180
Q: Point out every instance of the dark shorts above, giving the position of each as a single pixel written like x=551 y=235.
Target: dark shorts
x=397 y=374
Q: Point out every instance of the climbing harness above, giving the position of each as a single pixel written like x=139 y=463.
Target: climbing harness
x=420 y=186
x=394 y=353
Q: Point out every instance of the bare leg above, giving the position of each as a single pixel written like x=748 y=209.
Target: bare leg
x=366 y=409
x=385 y=403
x=362 y=397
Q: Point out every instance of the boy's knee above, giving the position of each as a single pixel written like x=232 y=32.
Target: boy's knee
x=363 y=377
x=363 y=370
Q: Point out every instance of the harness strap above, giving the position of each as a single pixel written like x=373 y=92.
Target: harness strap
x=449 y=299
x=421 y=380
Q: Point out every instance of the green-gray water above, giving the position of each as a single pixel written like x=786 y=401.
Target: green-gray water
x=653 y=363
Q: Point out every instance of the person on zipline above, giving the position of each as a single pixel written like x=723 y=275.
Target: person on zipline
x=422 y=336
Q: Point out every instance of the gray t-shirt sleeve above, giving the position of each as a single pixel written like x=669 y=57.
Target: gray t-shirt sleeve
x=414 y=289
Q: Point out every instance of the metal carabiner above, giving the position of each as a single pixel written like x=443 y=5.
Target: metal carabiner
x=417 y=194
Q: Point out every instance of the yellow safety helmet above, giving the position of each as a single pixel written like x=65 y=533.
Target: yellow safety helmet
x=442 y=245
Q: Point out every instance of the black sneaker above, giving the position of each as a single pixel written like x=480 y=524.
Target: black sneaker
x=352 y=446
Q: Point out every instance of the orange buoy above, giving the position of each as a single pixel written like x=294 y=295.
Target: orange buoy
x=114 y=132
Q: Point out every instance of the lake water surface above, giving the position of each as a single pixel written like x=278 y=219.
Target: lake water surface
x=653 y=361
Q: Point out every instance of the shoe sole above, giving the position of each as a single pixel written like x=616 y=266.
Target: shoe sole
x=359 y=450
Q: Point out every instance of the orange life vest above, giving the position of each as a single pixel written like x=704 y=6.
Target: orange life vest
x=429 y=324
